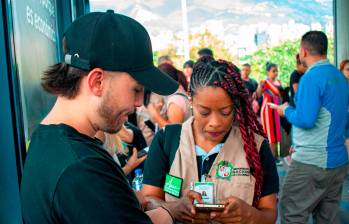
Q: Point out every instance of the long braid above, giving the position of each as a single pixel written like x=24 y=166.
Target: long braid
x=226 y=75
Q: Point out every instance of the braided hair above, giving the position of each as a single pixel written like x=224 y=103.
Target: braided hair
x=227 y=76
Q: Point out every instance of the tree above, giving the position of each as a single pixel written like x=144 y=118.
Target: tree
x=283 y=55
x=196 y=42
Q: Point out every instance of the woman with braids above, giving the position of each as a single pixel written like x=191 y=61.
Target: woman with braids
x=223 y=135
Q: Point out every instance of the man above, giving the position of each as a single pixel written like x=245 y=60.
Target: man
x=164 y=59
x=250 y=84
x=68 y=177
x=319 y=162
x=205 y=52
x=295 y=78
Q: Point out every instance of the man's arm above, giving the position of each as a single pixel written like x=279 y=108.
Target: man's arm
x=308 y=104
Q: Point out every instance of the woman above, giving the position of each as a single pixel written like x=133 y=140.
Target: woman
x=116 y=145
x=175 y=108
x=223 y=134
x=271 y=89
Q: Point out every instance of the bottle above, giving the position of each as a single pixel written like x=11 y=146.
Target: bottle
x=137 y=180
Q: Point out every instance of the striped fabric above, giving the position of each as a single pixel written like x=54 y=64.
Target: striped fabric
x=270 y=119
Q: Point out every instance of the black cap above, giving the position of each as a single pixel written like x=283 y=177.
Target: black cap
x=115 y=42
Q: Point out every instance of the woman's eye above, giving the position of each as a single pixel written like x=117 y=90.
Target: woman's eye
x=226 y=113
x=204 y=113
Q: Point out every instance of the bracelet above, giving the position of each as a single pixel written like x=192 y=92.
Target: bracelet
x=168 y=211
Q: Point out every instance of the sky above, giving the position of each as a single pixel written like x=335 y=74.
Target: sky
x=225 y=18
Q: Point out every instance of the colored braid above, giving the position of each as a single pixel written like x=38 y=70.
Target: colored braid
x=227 y=76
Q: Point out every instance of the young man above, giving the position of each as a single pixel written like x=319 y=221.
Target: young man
x=250 y=84
x=68 y=177
x=319 y=164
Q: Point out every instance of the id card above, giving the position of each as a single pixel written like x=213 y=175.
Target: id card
x=206 y=189
x=173 y=185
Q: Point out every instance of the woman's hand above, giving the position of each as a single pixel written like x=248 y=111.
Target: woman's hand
x=236 y=211
x=133 y=162
x=183 y=210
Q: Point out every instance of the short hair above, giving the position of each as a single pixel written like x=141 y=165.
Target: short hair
x=342 y=64
x=246 y=65
x=164 y=59
x=62 y=79
x=189 y=64
x=205 y=52
x=316 y=42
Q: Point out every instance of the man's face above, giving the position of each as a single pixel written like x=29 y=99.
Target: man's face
x=121 y=95
x=245 y=71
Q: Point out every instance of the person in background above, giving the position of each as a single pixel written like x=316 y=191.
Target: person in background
x=223 y=134
x=295 y=78
x=188 y=70
x=114 y=144
x=250 y=84
x=164 y=59
x=203 y=52
x=344 y=67
x=176 y=106
x=314 y=181
x=271 y=90
x=68 y=176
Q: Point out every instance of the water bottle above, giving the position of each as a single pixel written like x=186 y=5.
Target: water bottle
x=138 y=180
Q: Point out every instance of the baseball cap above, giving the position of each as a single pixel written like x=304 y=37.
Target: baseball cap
x=115 y=42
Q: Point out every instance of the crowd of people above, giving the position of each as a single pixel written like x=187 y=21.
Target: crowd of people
x=210 y=126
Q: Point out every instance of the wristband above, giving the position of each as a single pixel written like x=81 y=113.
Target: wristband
x=168 y=211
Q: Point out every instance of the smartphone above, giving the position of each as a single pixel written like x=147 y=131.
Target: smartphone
x=272 y=105
x=209 y=207
x=141 y=153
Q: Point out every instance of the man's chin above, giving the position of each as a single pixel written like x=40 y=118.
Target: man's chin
x=113 y=130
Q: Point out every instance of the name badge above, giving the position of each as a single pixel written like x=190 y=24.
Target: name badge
x=206 y=189
x=173 y=185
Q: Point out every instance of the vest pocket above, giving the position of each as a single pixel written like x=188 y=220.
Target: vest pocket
x=242 y=189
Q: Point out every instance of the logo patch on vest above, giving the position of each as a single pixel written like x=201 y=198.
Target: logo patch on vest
x=173 y=185
x=224 y=170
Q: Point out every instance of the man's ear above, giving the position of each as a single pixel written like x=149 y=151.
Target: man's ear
x=303 y=52
x=96 y=80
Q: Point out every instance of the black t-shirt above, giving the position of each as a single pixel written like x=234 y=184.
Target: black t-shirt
x=69 y=178
x=251 y=85
x=159 y=161
x=295 y=78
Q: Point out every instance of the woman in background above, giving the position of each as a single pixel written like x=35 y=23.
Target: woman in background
x=271 y=90
x=176 y=106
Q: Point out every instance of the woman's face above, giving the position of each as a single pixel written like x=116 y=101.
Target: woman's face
x=346 y=70
x=273 y=73
x=213 y=113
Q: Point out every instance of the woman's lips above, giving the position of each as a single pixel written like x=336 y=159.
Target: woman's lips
x=215 y=133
